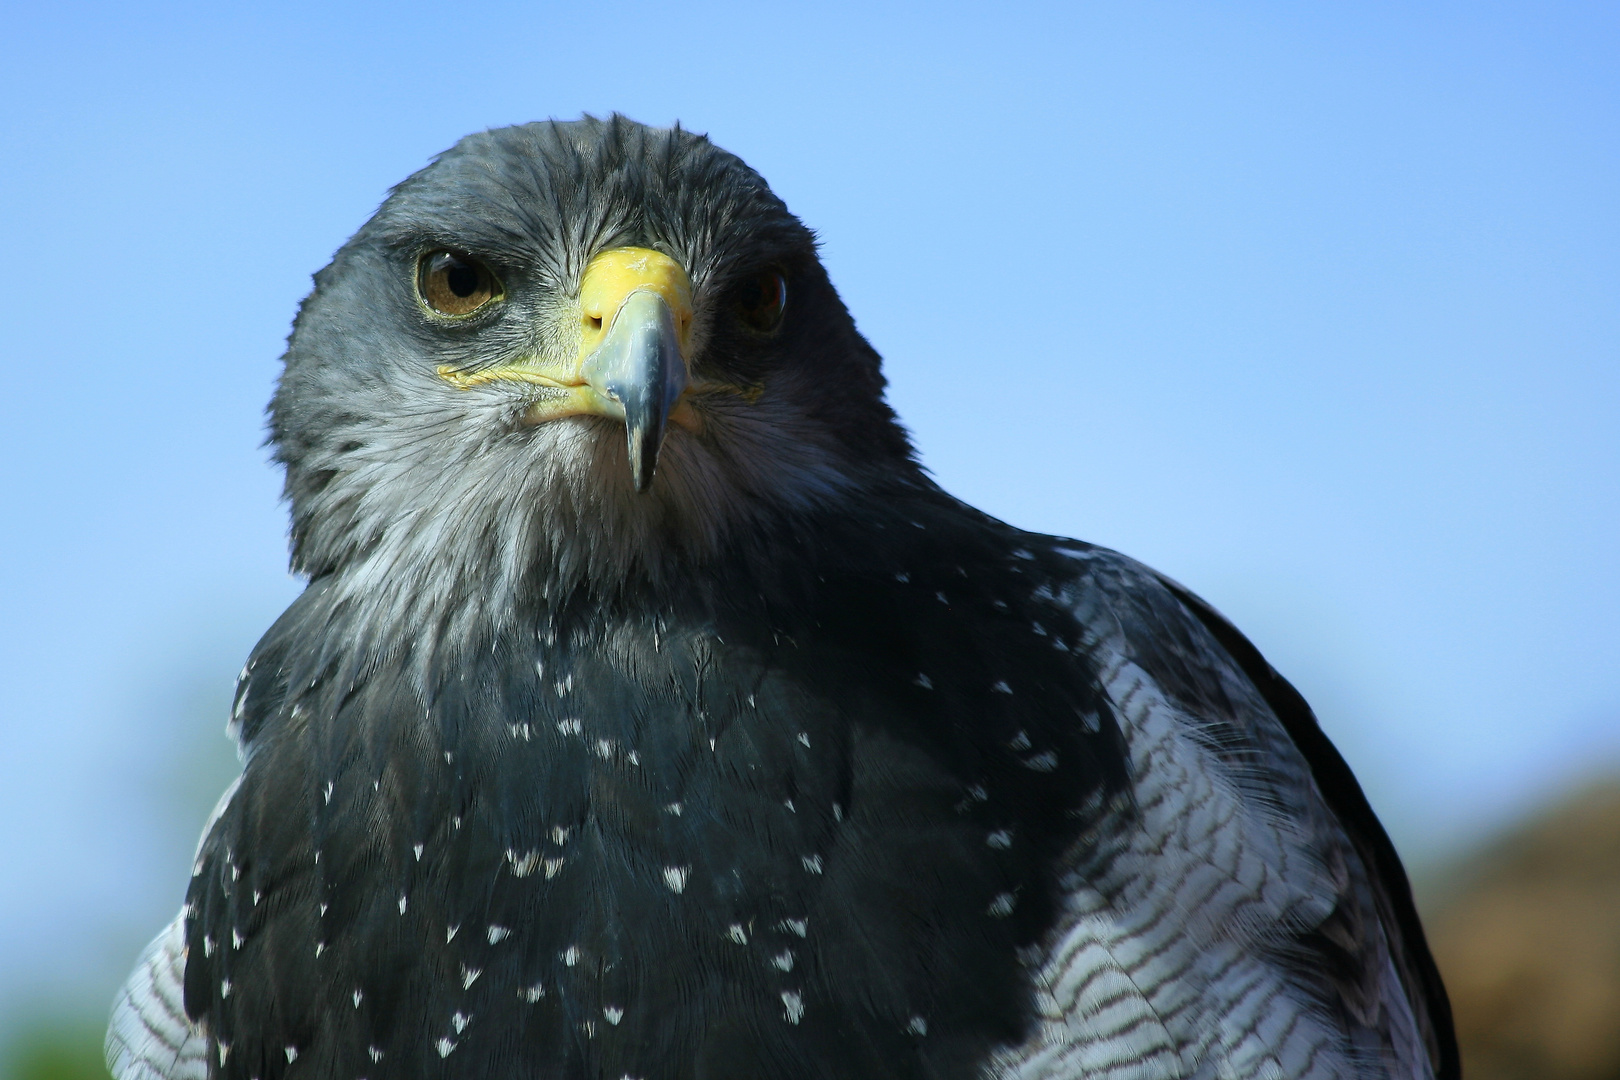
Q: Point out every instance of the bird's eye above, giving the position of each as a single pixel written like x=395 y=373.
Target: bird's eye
x=761 y=299
x=455 y=284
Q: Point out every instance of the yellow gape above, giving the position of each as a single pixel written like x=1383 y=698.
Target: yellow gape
x=635 y=311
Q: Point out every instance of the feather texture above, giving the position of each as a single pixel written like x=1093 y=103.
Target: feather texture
x=150 y=1037
x=1226 y=928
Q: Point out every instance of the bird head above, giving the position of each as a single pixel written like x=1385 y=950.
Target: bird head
x=569 y=353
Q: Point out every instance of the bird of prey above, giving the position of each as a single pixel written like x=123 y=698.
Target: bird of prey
x=649 y=712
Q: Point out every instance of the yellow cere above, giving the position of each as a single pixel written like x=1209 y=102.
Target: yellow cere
x=610 y=278
x=613 y=275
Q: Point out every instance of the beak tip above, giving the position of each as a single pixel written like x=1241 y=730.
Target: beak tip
x=643 y=452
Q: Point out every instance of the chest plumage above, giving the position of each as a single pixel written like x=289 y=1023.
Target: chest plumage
x=802 y=829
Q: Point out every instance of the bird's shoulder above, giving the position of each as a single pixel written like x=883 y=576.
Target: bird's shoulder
x=149 y=1036
x=1231 y=770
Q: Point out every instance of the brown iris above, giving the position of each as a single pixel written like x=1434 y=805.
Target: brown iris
x=761 y=299
x=455 y=284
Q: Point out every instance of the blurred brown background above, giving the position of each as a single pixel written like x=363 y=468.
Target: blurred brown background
x=1527 y=934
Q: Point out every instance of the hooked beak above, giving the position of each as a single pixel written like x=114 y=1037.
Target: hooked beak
x=638 y=375
x=635 y=310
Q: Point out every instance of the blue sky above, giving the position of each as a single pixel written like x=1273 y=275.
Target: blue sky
x=1314 y=307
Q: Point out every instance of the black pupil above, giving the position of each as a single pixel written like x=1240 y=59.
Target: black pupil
x=462 y=278
x=762 y=294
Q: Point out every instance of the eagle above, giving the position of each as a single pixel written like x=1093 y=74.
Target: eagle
x=650 y=713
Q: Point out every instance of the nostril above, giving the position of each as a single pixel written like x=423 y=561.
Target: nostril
x=596 y=322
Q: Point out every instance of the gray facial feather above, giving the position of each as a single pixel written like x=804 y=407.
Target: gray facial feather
x=434 y=508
